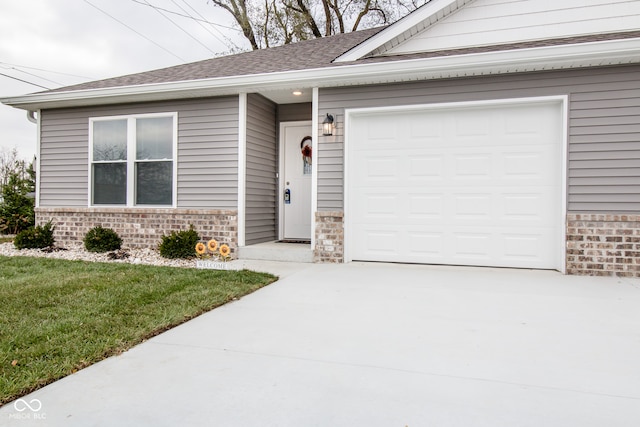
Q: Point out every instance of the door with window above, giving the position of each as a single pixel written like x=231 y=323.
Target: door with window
x=297 y=159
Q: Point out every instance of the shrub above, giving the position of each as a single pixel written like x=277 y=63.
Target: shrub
x=100 y=239
x=180 y=244
x=36 y=237
x=16 y=208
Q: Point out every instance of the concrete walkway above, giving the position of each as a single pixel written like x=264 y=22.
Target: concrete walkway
x=376 y=345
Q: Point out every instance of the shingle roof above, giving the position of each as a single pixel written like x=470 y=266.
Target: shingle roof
x=316 y=53
x=311 y=54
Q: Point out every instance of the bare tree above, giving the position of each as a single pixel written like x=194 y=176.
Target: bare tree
x=10 y=163
x=267 y=23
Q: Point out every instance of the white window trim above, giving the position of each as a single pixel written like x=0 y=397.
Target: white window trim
x=131 y=160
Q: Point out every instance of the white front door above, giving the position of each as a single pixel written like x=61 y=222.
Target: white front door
x=297 y=156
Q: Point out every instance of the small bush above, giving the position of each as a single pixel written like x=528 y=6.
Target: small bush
x=100 y=239
x=16 y=206
x=180 y=244
x=36 y=237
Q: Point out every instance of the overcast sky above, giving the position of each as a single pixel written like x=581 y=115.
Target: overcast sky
x=55 y=43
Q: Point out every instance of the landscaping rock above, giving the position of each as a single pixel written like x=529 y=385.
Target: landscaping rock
x=78 y=253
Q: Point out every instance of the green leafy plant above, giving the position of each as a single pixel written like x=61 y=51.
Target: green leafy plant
x=100 y=239
x=38 y=237
x=180 y=244
x=16 y=209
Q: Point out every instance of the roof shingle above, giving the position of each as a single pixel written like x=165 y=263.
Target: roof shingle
x=310 y=54
x=316 y=53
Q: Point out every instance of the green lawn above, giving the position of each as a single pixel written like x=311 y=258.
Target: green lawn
x=60 y=316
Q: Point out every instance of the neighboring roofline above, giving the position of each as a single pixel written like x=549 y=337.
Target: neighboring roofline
x=422 y=17
x=591 y=54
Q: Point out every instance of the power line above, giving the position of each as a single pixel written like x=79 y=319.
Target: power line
x=33 y=74
x=135 y=31
x=24 y=81
x=203 y=20
x=180 y=28
x=45 y=70
x=184 y=16
x=198 y=22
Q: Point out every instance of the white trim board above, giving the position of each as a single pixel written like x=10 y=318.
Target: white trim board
x=242 y=168
x=315 y=145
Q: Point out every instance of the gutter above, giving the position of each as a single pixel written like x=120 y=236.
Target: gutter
x=592 y=54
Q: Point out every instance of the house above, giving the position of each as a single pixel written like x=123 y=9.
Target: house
x=484 y=133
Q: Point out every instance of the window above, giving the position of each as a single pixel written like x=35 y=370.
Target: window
x=133 y=160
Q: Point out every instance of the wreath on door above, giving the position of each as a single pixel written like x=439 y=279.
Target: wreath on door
x=307 y=154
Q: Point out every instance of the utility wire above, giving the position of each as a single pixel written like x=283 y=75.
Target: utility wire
x=204 y=27
x=184 y=16
x=180 y=28
x=135 y=31
x=204 y=20
x=24 y=81
x=33 y=74
x=45 y=70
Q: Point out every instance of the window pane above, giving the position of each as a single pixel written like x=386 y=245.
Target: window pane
x=154 y=138
x=109 y=184
x=110 y=140
x=154 y=183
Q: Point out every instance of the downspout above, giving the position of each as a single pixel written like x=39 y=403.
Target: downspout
x=34 y=117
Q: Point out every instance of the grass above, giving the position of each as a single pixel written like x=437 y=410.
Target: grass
x=59 y=316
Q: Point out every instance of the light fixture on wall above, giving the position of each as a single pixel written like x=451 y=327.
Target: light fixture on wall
x=327 y=125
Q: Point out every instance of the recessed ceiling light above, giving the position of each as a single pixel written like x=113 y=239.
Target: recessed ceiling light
x=297 y=92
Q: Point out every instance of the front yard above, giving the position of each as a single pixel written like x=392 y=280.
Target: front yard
x=59 y=316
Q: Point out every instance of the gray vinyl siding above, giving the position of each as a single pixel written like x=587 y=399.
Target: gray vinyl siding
x=262 y=165
x=294 y=112
x=604 y=128
x=207 y=152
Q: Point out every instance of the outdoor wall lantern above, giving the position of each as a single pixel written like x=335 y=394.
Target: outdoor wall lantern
x=327 y=125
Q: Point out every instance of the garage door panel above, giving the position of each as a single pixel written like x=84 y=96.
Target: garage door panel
x=473 y=166
x=475 y=186
x=475 y=206
x=425 y=207
x=382 y=207
x=425 y=166
x=445 y=208
x=382 y=168
x=426 y=244
x=463 y=246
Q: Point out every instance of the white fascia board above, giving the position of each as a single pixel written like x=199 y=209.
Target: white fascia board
x=613 y=52
x=397 y=29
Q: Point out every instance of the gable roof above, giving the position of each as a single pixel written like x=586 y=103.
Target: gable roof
x=310 y=54
x=339 y=61
x=444 y=25
x=420 y=19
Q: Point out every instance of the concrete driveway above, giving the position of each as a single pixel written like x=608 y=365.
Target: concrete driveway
x=376 y=345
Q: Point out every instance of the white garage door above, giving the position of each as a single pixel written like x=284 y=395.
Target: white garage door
x=474 y=185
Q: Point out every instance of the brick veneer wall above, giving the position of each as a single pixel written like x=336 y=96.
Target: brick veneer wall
x=603 y=245
x=140 y=228
x=329 y=237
